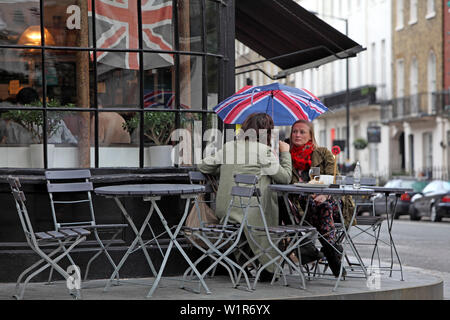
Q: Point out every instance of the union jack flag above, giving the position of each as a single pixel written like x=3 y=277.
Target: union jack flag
x=117 y=27
x=160 y=98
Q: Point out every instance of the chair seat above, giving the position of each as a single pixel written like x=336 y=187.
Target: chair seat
x=368 y=221
x=100 y=226
x=62 y=234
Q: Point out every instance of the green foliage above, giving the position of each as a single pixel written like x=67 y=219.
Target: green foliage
x=360 y=143
x=158 y=126
x=33 y=120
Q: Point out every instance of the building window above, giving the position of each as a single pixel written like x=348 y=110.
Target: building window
x=427 y=140
x=431 y=11
x=431 y=82
x=414 y=89
x=89 y=98
x=399 y=14
x=412 y=11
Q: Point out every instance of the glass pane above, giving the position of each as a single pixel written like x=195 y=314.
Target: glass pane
x=69 y=138
x=191 y=82
x=212 y=26
x=159 y=89
x=63 y=69
x=117 y=86
x=20 y=70
x=116 y=24
x=213 y=81
x=157 y=26
x=190 y=25
x=63 y=20
x=114 y=138
x=19 y=24
x=158 y=127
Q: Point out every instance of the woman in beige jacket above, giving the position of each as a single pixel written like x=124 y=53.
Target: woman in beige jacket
x=260 y=160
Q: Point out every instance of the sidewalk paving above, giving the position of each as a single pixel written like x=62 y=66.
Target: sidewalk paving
x=416 y=285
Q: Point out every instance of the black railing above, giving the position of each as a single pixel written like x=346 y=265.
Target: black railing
x=417 y=106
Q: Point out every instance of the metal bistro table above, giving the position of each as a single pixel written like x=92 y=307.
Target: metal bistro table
x=390 y=220
x=303 y=189
x=153 y=193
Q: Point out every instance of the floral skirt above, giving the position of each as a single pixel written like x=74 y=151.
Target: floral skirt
x=323 y=216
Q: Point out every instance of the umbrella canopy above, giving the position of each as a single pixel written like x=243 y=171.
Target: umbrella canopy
x=284 y=104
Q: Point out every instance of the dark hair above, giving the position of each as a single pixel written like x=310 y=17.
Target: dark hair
x=259 y=121
x=27 y=95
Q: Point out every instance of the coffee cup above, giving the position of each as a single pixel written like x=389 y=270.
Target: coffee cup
x=326 y=179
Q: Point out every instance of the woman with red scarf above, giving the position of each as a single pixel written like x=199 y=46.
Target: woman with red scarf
x=323 y=210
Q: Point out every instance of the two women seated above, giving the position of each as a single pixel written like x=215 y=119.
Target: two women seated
x=291 y=166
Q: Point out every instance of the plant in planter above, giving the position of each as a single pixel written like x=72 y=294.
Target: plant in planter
x=158 y=127
x=360 y=143
x=33 y=120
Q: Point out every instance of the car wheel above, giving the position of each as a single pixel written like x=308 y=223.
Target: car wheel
x=434 y=215
x=396 y=215
x=413 y=215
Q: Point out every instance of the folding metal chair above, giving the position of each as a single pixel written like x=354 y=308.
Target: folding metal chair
x=368 y=225
x=220 y=241
x=69 y=237
x=283 y=240
x=70 y=182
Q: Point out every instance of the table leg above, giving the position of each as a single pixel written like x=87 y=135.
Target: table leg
x=173 y=241
x=133 y=244
x=390 y=221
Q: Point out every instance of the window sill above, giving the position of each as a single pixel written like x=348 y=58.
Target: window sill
x=412 y=22
x=430 y=15
x=399 y=28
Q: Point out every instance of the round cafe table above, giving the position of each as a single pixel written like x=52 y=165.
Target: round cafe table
x=153 y=193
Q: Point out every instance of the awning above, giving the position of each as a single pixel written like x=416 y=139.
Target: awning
x=284 y=29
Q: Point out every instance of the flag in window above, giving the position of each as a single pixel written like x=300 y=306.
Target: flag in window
x=117 y=27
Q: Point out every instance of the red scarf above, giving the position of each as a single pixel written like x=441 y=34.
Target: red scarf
x=301 y=156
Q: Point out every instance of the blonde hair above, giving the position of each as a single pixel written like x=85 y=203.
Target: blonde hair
x=311 y=131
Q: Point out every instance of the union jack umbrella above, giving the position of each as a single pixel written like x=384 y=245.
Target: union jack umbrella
x=117 y=27
x=284 y=104
x=160 y=98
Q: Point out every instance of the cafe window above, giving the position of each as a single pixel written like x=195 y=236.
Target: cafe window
x=104 y=81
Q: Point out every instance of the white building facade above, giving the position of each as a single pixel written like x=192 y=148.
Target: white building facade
x=369 y=81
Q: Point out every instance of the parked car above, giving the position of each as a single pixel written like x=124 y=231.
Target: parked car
x=433 y=201
x=403 y=203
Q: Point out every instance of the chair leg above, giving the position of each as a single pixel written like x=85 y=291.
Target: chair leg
x=103 y=249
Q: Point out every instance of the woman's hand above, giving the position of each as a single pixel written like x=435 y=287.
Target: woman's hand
x=320 y=198
x=284 y=147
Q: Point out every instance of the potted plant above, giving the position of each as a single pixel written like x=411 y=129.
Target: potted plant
x=33 y=121
x=158 y=127
x=360 y=143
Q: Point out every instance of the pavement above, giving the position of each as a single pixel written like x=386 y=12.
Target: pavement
x=416 y=284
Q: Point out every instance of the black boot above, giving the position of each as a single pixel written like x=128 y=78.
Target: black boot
x=333 y=257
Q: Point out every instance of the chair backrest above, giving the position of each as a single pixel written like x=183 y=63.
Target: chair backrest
x=19 y=198
x=65 y=183
x=196 y=177
x=246 y=186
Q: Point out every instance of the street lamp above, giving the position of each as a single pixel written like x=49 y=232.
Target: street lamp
x=347 y=86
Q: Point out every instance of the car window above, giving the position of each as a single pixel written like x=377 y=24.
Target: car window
x=418 y=186
x=407 y=184
x=391 y=184
x=446 y=185
x=431 y=187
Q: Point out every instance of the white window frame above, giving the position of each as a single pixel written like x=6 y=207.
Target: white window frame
x=431 y=9
x=412 y=12
x=400 y=15
x=432 y=80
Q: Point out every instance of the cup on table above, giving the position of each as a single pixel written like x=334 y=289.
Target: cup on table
x=314 y=173
x=326 y=178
